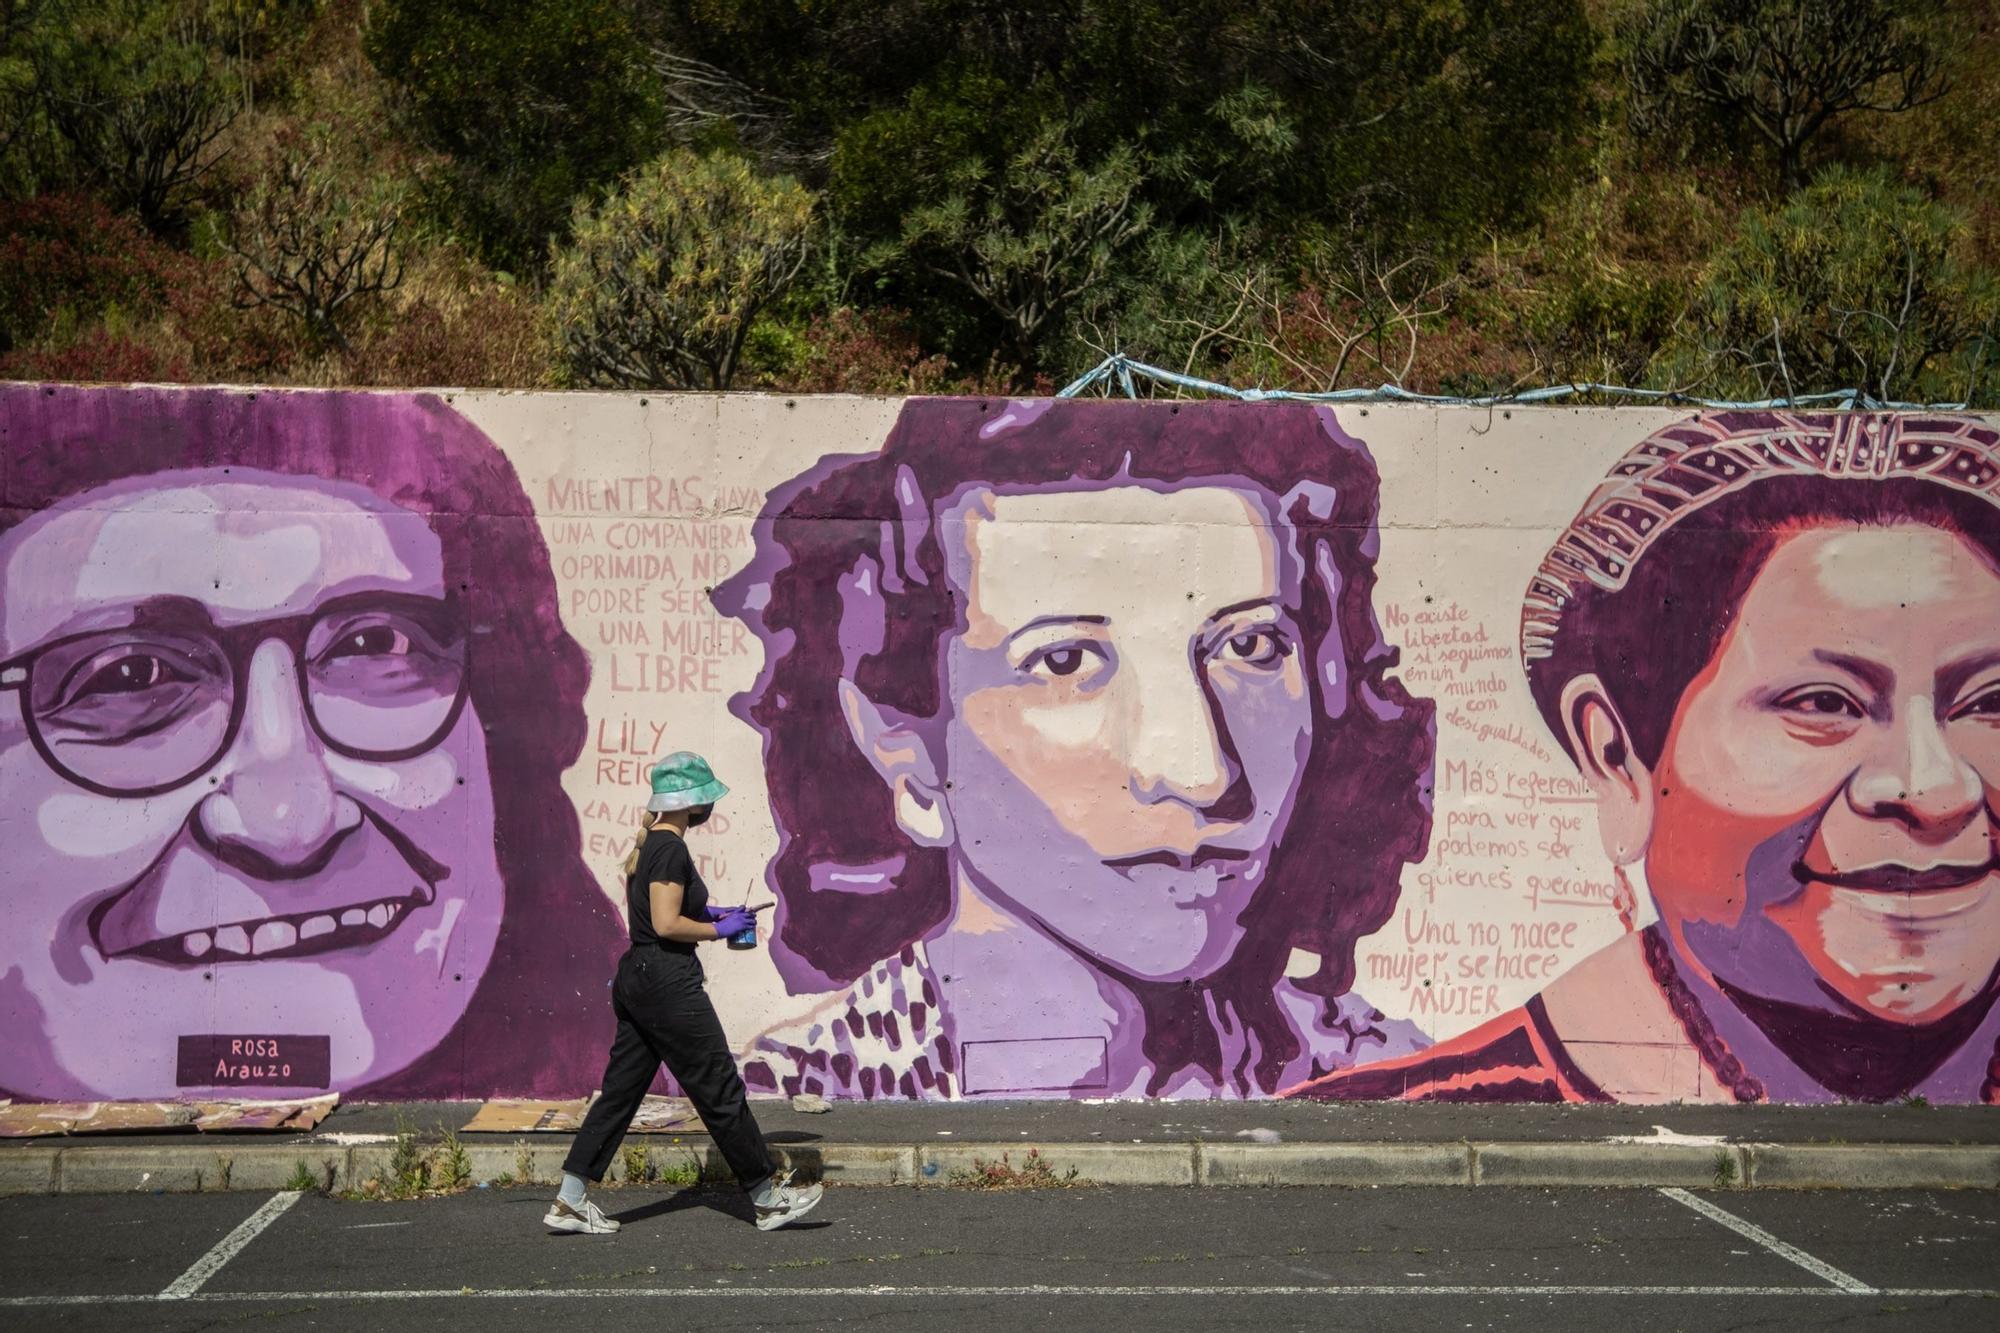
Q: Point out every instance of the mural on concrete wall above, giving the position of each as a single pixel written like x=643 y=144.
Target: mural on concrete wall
x=1771 y=646
x=1081 y=817
x=1090 y=749
x=281 y=778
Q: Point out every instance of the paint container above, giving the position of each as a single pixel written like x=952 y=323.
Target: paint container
x=747 y=937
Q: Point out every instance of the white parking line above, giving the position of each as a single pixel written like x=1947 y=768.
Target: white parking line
x=206 y=1267
x=1791 y=1253
x=926 y=1293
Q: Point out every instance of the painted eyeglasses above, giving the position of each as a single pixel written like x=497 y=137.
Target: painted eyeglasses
x=144 y=708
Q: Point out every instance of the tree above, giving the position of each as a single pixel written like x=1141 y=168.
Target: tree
x=17 y=74
x=534 y=102
x=1182 y=301
x=140 y=93
x=1430 y=122
x=1358 y=318
x=707 y=105
x=1857 y=282
x=661 y=283
x=1030 y=239
x=316 y=235
x=1784 y=69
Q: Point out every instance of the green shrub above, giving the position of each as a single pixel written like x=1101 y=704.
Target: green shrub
x=141 y=92
x=535 y=102
x=1858 y=282
x=661 y=283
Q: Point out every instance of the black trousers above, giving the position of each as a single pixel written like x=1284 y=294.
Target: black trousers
x=664 y=1017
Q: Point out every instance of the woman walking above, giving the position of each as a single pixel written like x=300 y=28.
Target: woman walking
x=664 y=1015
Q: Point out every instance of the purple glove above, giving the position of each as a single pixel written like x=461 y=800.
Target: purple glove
x=717 y=913
x=733 y=921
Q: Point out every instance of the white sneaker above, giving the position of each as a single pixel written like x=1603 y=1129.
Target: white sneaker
x=783 y=1203
x=588 y=1220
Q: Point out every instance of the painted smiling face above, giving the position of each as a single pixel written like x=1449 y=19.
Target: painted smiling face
x=1125 y=745
x=247 y=796
x=1834 y=772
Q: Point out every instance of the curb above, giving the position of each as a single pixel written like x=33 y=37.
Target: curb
x=250 y=1166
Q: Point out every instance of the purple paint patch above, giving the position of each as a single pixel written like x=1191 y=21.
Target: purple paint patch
x=1018 y=413
x=1052 y=1064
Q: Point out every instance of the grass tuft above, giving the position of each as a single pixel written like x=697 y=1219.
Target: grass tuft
x=1035 y=1172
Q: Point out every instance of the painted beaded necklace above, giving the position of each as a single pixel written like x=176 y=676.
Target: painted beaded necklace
x=1715 y=1053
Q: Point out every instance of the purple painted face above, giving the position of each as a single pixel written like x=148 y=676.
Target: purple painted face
x=246 y=794
x=1126 y=734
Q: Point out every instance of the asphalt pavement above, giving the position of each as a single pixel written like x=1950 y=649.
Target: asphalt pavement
x=973 y=1260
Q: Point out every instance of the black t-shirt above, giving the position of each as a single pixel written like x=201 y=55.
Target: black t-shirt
x=663 y=859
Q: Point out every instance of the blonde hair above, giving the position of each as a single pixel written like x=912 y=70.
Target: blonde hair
x=646 y=822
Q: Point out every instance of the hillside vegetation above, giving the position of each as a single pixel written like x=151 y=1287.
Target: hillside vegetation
x=1725 y=198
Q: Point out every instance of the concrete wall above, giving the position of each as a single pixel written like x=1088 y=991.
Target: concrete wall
x=1087 y=749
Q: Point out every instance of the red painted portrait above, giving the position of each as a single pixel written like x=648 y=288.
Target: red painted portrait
x=1770 y=643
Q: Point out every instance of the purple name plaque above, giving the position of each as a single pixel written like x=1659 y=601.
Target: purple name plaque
x=216 y=1060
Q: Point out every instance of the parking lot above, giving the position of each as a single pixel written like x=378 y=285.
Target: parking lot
x=969 y=1260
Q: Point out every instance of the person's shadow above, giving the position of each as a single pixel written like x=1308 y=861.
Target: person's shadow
x=725 y=1199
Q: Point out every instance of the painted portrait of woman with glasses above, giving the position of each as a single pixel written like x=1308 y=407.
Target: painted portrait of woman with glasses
x=284 y=705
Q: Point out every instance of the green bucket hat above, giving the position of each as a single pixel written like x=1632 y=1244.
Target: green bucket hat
x=682 y=781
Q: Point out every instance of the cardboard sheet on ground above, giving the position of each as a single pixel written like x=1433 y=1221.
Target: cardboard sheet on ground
x=245 y=1117
x=517 y=1115
x=27 y=1120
